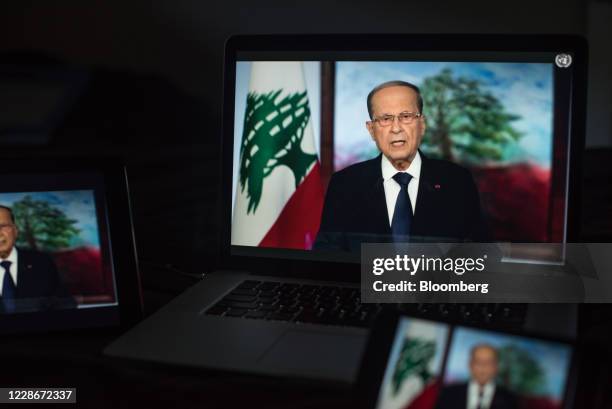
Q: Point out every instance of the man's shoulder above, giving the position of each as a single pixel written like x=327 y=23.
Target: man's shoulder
x=456 y=387
x=447 y=173
x=367 y=168
x=445 y=166
x=34 y=256
x=504 y=392
x=25 y=252
x=451 y=393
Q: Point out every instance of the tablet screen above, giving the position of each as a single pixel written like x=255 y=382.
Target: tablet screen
x=433 y=365
x=58 y=264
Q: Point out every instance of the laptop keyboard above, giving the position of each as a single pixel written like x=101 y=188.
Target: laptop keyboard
x=330 y=305
x=297 y=303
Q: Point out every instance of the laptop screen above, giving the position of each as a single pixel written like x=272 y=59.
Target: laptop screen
x=313 y=150
x=432 y=365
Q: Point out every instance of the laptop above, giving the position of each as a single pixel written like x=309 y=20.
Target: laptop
x=421 y=364
x=278 y=307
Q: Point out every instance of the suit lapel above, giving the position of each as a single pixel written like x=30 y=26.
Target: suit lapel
x=376 y=203
x=427 y=198
x=380 y=215
x=24 y=273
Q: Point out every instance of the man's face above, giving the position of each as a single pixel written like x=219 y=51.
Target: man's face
x=483 y=365
x=8 y=233
x=398 y=141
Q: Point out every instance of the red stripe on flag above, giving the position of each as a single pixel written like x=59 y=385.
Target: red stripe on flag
x=298 y=224
x=427 y=398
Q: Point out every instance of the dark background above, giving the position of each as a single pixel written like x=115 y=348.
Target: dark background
x=154 y=97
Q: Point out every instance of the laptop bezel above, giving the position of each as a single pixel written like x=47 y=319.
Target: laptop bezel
x=295 y=263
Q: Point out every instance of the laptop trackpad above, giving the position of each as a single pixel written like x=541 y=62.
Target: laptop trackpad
x=316 y=353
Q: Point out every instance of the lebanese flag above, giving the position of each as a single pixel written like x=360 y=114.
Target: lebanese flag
x=279 y=194
x=413 y=379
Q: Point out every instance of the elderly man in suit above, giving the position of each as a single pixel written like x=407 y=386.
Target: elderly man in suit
x=401 y=195
x=29 y=280
x=481 y=392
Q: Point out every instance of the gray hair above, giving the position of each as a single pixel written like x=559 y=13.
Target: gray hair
x=395 y=83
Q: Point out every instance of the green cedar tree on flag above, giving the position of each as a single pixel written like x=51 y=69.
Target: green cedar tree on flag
x=414 y=381
x=279 y=194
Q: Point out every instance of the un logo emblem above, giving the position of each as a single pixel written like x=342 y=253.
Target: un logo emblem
x=563 y=60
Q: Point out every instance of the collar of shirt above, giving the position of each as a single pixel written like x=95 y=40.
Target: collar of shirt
x=474 y=395
x=392 y=188
x=12 y=257
x=388 y=171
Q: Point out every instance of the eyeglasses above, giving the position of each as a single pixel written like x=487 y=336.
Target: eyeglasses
x=6 y=227
x=405 y=118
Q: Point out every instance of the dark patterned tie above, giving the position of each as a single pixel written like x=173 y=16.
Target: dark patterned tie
x=8 y=288
x=402 y=215
x=480 y=402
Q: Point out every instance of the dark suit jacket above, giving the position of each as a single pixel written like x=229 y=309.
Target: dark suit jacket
x=455 y=397
x=39 y=285
x=355 y=210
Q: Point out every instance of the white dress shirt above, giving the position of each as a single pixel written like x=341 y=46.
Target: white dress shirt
x=392 y=188
x=474 y=398
x=12 y=257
